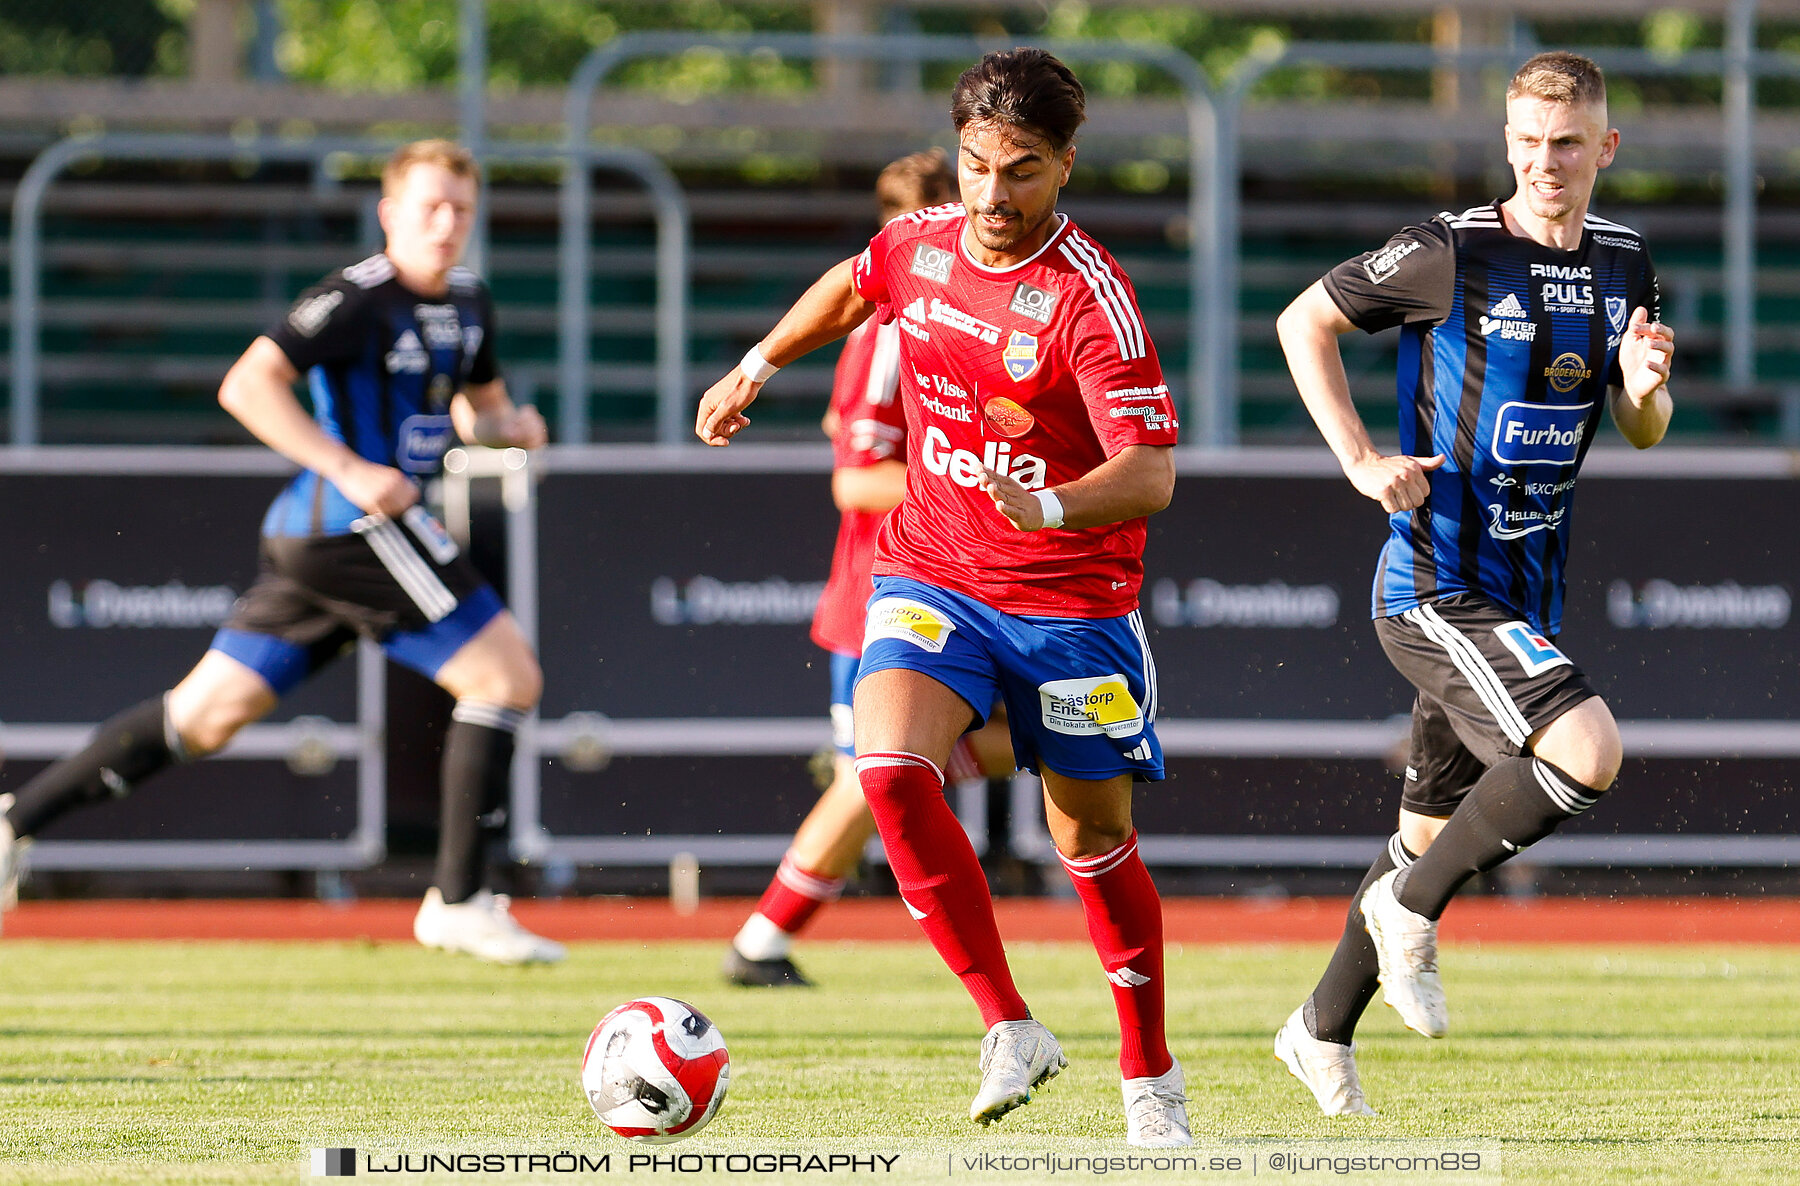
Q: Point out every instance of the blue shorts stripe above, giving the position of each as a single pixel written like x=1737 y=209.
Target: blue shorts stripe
x=427 y=650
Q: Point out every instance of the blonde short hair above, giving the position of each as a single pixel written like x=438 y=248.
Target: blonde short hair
x=1558 y=77
x=913 y=183
x=446 y=153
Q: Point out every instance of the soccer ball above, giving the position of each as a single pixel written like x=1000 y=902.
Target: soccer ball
x=655 y=1070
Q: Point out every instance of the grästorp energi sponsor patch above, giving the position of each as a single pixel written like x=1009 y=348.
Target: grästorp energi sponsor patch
x=1090 y=706
x=908 y=621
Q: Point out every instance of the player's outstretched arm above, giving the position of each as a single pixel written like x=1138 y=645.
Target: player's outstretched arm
x=827 y=311
x=1642 y=407
x=259 y=391
x=1309 y=330
x=1136 y=481
x=484 y=414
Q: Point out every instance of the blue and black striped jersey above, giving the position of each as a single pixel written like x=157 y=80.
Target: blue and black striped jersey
x=381 y=364
x=1507 y=351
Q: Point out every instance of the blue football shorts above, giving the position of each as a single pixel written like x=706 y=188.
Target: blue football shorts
x=1080 y=693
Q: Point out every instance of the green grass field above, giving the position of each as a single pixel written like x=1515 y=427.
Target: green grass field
x=228 y=1062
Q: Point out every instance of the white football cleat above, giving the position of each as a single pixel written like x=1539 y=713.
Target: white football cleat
x=1156 y=1110
x=1327 y=1068
x=481 y=927
x=1406 y=947
x=1017 y=1057
x=12 y=857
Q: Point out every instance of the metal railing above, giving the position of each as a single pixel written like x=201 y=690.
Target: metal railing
x=669 y=203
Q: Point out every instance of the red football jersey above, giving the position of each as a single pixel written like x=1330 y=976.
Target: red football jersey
x=871 y=428
x=1041 y=370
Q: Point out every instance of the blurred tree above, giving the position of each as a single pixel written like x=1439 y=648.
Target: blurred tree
x=91 y=38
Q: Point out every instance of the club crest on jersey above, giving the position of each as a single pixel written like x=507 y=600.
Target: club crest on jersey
x=1035 y=303
x=931 y=263
x=1615 y=313
x=1020 y=355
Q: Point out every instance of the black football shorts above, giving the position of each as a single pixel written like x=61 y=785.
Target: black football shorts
x=1487 y=681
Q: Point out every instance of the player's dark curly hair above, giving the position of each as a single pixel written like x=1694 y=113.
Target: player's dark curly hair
x=1024 y=87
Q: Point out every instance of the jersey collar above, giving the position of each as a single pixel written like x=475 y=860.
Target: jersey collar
x=962 y=248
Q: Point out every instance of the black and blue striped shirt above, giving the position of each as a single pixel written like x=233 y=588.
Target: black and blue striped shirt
x=381 y=364
x=1508 y=349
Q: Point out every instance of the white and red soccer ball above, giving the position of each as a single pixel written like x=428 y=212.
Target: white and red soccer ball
x=655 y=1070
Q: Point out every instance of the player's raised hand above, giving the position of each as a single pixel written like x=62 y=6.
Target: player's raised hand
x=1397 y=483
x=376 y=488
x=722 y=408
x=1019 y=505
x=1644 y=355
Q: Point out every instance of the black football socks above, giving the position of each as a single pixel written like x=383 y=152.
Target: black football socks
x=477 y=772
x=1518 y=802
x=124 y=752
x=1350 y=979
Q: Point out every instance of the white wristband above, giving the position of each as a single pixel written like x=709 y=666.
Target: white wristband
x=756 y=368
x=1052 y=507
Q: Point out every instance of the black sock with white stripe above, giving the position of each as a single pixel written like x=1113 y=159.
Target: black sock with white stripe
x=1350 y=979
x=477 y=773
x=1517 y=803
x=124 y=751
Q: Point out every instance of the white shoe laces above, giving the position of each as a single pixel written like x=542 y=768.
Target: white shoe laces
x=1152 y=1108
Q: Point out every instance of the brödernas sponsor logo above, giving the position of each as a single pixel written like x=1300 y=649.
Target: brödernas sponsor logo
x=1271 y=605
x=709 y=601
x=103 y=605
x=1664 y=605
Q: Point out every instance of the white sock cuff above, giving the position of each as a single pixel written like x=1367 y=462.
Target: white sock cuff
x=1397 y=852
x=171 y=735
x=809 y=885
x=488 y=715
x=1106 y=862
x=897 y=758
x=1563 y=791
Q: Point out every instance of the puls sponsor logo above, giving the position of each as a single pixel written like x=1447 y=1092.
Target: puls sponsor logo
x=440 y=326
x=709 y=601
x=964 y=467
x=1664 y=605
x=104 y=605
x=1271 y=605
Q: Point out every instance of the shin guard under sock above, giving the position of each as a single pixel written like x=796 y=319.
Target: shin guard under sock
x=1517 y=803
x=124 y=751
x=477 y=771
x=1124 y=919
x=940 y=878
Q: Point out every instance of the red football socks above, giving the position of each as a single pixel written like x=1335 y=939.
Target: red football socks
x=1124 y=919
x=940 y=878
x=795 y=895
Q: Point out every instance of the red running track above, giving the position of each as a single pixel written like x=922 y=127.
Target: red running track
x=1186 y=920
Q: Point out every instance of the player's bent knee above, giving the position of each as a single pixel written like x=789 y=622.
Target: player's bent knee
x=1584 y=743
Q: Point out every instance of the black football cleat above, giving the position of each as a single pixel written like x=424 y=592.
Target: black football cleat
x=775 y=973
